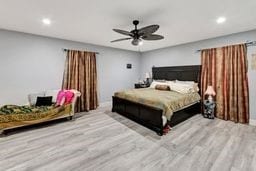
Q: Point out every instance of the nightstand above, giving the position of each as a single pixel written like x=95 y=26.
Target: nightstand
x=139 y=85
x=209 y=107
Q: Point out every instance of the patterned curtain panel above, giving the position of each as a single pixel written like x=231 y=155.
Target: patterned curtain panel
x=81 y=74
x=226 y=70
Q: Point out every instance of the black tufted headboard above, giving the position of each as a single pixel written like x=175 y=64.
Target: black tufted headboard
x=183 y=73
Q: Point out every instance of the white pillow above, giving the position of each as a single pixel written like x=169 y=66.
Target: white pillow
x=33 y=97
x=192 y=83
x=162 y=81
x=173 y=81
x=154 y=83
x=181 y=88
x=52 y=93
x=185 y=82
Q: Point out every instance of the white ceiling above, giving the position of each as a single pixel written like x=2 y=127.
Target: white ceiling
x=92 y=21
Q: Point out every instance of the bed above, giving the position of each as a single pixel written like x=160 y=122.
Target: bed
x=151 y=116
x=14 y=116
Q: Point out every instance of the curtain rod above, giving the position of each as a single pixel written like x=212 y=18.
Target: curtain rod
x=248 y=43
x=79 y=50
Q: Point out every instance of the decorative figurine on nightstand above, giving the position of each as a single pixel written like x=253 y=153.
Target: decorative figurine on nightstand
x=209 y=105
x=144 y=83
x=147 y=77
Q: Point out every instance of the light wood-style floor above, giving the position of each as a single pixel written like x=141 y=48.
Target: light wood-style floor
x=102 y=140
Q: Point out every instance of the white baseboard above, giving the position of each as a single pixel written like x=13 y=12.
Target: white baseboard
x=105 y=104
x=252 y=122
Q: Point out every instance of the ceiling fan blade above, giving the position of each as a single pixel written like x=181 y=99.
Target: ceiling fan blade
x=148 y=30
x=152 y=37
x=121 y=39
x=127 y=33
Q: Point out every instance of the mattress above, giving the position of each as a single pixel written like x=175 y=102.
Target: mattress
x=168 y=101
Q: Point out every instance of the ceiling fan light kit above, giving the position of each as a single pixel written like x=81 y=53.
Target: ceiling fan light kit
x=138 y=35
x=137 y=42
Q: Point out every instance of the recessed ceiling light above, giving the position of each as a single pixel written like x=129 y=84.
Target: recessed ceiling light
x=221 y=20
x=46 y=21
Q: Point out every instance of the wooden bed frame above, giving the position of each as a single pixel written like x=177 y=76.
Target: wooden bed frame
x=152 y=117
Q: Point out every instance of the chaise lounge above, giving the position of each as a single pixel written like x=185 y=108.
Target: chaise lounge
x=13 y=116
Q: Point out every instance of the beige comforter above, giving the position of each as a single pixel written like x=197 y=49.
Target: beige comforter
x=168 y=101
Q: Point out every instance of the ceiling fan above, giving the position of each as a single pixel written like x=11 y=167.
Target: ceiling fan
x=145 y=33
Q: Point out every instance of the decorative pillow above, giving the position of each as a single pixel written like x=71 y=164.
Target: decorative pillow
x=64 y=97
x=33 y=97
x=44 y=101
x=154 y=83
x=69 y=95
x=61 y=98
x=62 y=102
x=162 y=87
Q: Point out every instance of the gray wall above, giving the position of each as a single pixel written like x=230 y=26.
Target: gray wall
x=185 y=55
x=30 y=63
